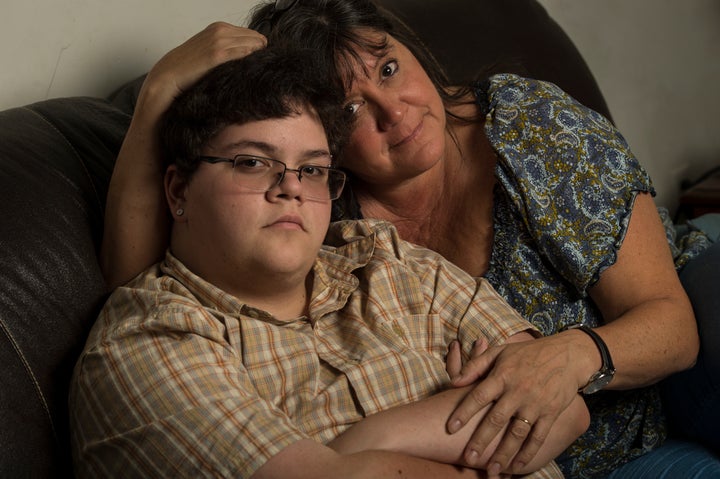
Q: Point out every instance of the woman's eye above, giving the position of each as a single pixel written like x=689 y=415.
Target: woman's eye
x=352 y=108
x=389 y=69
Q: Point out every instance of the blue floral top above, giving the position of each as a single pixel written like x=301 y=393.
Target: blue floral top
x=567 y=182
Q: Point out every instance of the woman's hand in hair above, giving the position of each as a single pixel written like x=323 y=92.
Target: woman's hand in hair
x=218 y=43
x=136 y=220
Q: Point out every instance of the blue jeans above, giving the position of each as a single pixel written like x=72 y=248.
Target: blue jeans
x=692 y=397
x=674 y=460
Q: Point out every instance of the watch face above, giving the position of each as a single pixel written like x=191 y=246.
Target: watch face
x=598 y=382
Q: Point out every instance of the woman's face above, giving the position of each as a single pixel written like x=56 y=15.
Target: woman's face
x=400 y=118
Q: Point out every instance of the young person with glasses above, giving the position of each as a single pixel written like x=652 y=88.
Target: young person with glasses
x=254 y=350
x=511 y=180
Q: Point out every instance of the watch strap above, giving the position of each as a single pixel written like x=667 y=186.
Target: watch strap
x=607 y=367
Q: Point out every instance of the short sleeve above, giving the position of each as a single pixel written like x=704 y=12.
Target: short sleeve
x=567 y=170
x=161 y=392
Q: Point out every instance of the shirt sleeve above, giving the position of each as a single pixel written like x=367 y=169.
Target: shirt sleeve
x=160 y=392
x=568 y=171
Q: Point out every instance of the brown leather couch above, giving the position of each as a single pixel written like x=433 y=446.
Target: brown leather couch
x=56 y=157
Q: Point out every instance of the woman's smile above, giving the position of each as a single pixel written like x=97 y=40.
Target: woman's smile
x=410 y=137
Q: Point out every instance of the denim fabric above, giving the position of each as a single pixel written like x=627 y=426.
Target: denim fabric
x=674 y=460
x=692 y=397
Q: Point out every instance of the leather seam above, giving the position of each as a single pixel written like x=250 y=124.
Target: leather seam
x=30 y=374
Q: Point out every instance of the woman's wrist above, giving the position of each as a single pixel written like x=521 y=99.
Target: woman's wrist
x=588 y=359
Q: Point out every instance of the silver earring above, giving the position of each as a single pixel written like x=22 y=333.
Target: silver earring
x=180 y=212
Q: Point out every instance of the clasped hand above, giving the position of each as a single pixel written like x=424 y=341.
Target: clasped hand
x=525 y=387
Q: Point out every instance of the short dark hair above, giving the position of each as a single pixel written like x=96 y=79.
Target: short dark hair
x=269 y=83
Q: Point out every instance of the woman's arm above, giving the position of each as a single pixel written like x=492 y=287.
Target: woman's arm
x=136 y=220
x=419 y=428
x=650 y=326
x=649 y=329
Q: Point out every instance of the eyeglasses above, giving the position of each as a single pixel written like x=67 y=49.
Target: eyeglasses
x=257 y=173
x=281 y=6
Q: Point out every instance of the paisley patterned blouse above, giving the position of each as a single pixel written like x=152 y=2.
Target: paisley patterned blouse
x=566 y=186
x=567 y=182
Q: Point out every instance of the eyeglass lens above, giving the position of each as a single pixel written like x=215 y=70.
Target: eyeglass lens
x=263 y=174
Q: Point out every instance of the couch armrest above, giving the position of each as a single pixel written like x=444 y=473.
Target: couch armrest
x=55 y=162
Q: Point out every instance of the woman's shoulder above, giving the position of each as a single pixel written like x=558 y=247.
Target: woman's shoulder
x=509 y=88
x=533 y=119
x=509 y=97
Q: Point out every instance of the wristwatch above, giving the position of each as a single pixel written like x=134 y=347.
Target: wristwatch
x=607 y=371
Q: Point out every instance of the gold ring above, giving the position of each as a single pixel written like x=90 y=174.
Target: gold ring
x=523 y=420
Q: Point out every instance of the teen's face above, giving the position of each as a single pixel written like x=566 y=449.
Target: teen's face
x=400 y=118
x=230 y=235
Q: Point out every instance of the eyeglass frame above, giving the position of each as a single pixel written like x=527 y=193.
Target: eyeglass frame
x=342 y=176
x=281 y=6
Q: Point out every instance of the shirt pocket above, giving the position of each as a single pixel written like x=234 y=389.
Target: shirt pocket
x=420 y=333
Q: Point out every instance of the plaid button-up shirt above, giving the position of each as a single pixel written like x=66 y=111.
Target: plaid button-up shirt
x=179 y=378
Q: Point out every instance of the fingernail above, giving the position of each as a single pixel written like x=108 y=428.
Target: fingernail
x=471 y=456
x=494 y=469
x=454 y=426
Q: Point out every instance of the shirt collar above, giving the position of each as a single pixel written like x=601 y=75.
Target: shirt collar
x=349 y=246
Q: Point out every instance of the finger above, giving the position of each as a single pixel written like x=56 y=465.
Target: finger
x=479 y=346
x=476 y=367
x=222 y=42
x=237 y=51
x=479 y=397
x=533 y=443
x=453 y=360
x=492 y=474
x=516 y=434
x=217 y=43
x=496 y=421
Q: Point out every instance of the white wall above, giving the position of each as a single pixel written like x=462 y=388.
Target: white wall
x=658 y=65
x=53 y=48
x=657 y=62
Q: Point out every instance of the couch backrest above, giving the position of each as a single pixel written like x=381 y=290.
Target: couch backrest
x=492 y=36
x=56 y=158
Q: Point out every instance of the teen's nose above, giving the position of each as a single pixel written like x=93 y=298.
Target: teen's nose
x=289 y=186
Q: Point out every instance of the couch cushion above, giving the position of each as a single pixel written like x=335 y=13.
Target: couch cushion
x=56 y=158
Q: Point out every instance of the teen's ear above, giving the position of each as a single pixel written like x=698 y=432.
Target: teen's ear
x=175 y=187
